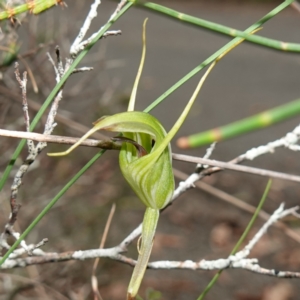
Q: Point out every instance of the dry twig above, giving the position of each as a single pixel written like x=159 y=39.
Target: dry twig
x=237 y=261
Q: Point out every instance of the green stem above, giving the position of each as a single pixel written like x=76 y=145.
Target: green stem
x=252 y=123
x=263 y=41
x=13 y=11
x=196 y=70
x=56 y=90
x=242 y=238
x=38 y=7
x=149 y=227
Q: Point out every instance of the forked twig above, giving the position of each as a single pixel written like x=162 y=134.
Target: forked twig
x=237 y=261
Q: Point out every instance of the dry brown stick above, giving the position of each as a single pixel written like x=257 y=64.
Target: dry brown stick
x=238 y=203
x=94 y=280
x=296 y=6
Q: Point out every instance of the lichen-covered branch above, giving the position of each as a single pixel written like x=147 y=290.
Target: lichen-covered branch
x=238 y=261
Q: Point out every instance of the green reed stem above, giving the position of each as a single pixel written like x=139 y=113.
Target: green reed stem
x=263 y=41
x=249 y=124
x=36 y=7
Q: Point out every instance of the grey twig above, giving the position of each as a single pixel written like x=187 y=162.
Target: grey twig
x=15 y=207
x=237 y=203
x=23 y=85
x=85 y=27
x=187 y=158
x=235 y=167
x=290 y=141
x=45 y=138
x=237 y=261
x=79 y=44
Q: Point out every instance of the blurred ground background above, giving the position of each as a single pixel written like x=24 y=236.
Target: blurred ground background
x=247 y=81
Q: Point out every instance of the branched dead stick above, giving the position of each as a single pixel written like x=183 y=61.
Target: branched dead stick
x=234 y=167
x=220 y=165
x=238 y=203
x=9 y=227
x=85 y=27
x=79 y=44
x=33 y=152
x=290 y=141
x=221 y=264
x=237 y=261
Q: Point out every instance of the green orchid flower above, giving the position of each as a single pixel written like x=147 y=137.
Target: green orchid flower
x=145 y=162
